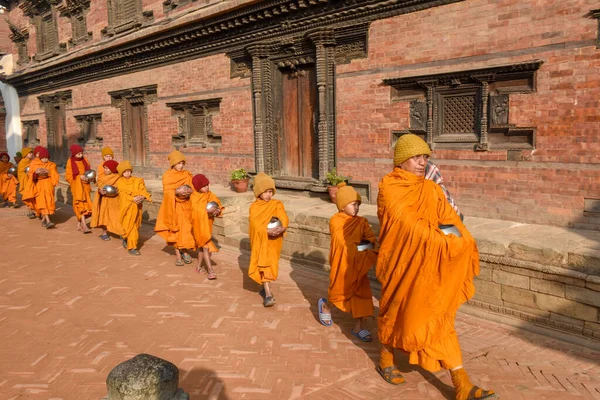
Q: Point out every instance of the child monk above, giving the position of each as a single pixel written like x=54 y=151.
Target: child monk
x=44 y=178
x=349 y=285
x=106 y=211
x=8 y=182
x=81 y=190
x=107 y=155
x=265 y=243
x=174 y=221
x=202 y=222
x=28 y=193
x=24 y=181
x=132 y=193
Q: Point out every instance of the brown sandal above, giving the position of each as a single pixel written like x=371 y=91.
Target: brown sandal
x=390 y=373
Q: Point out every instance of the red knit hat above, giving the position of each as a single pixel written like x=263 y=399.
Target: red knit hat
x=199 y=181
x=37 y=150
x=75 y=148
x=4 y=154
x=112 y=165
x=43 y=152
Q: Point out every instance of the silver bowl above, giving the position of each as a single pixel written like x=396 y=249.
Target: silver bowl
x=12 y=171
x=274 y=223
x=211 y=205
x=183 y=196
x=27 y=169
x=450 y=230
x=364 y=245
x=90 y=174
x=110 y=191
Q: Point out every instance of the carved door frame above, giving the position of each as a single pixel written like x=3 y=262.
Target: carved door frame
x=50 y=102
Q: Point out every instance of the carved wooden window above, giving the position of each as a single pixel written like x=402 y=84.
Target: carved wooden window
x=170 y=5
x=30 y=133
x=43 y=16
x=76 y=11
x=467 y=109
x=124 y=15
x=20 y=37
x=195 y=128
x=88 y=129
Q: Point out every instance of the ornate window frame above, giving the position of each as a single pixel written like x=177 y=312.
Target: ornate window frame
x=20 y=37
x=596 y=14
x=88 y=129
x=119 y=22
x=76 y=11
x=31 y=129
x=43 y=14
x=194 y=123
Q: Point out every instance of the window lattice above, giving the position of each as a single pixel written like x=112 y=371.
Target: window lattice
x=459 y=114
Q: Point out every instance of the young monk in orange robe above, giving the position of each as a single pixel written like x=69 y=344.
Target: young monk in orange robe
x=44 y=178
x=425 y=275
x=28 y=156
x=8 y=182
x=202 y=221
x=132 y=193
x=174 y=220
x=28 y=193
x=81 y=190
x=107 y=155
x=106 y=211
x=349 y=285
x=265 y=243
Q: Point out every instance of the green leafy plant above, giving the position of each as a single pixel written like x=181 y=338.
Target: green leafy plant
x=239 y=174
x=333 y=178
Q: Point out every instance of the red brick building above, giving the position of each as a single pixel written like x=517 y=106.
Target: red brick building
x=505 y=92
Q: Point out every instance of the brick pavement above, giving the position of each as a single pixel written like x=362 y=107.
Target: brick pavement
x=72 y=307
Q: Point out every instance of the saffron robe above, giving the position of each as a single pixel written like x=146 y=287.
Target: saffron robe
x=23 y=177
x=106 y=210
x=100 y=173
x=43 y=188
x=425 y=275
x=349 y=285
x=130 y=215
x=174 y=220
x=264 y=258
x=8 y=183
x=202 y=224
x=28 y=188
x=80 y=190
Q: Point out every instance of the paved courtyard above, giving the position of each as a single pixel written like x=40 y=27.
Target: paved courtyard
x=72 y=307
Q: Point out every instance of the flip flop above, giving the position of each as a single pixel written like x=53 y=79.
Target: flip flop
x=390 y=373
x=362 y=335
x=186 y=258
x=325 y=318
x=212 y=276
x=178 y=263
x=104 y=237
x=200 y=270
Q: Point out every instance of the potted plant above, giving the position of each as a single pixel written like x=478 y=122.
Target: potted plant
x=333 y=179
x=239 y=179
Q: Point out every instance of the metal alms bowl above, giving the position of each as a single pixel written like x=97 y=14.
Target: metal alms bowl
x=274 y=223
x=27 y=169
x=183 y=196
x=90 y=174
x=110 y=191
x=211 y=205
x=450 y=230
x=12 y=171
x=364 y=245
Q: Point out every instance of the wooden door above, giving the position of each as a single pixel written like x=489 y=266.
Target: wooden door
x=59 y=153
x=297 y=142
x=135 y=120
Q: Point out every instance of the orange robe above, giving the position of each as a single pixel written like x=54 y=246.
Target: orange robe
x=174 y=220
x=8 y=183
x=23 y=179
x=349 y=285
x=100 y=172
x=43 y=188
x=264 y=259
x=80 y=190
x=201 y=223
x=106 y=210
x=28 y=188
x=131 y=213
x=425 y=275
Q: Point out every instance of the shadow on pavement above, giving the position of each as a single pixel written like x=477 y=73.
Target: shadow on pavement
x=201 y=383
x=243 y=263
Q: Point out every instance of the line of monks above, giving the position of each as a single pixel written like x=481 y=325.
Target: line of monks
x=425 y=274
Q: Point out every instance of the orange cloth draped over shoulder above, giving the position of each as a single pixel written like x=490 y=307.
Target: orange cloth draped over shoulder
x=28 y=191
x=264 y=259
x=43 y=188
x=8 y=183
x=100 y=173
x=202 y=224
x=131 y=213
x=174 y=221
x=80 y=190
x=106 y=210
x=349 y=285
x=24 y=181
x=425 y=275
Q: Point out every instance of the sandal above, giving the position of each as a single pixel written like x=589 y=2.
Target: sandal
x=124 y=242
x=186 y=258
x=269 y=301
x=178 y=263
x=390 y=373
x=105 y=237
x=31 y=215
x=49 y=225
x=363 y=335
x=134 y=252
x=211 y=275
x=325 y=318
x=200 y=270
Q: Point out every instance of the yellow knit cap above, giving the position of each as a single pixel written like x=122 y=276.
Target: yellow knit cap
x=175 y=157
x=408 y=146
x=262 y=183
x=107 y=151
x=124 y=166
x=25 y=151
x=346 y=195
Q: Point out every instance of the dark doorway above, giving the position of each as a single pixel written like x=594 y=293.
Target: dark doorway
x=58 y=150
x=135 y=121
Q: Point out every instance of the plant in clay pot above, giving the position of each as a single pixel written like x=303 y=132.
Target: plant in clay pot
x=333 y=179
x=239 y=179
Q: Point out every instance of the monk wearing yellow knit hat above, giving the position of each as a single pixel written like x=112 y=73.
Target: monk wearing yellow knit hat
x=174 y=220
x=351 y=256
x=266 y=242
x=425 y=274
x=107 y=155
x=28 y=155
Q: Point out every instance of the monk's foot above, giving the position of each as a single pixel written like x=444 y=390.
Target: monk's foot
x=212 y=275
x=178 y=263
x=200 y=270
x=363 y=335
x=44 y=224
x=269 y=301
x=31 y=215
x=105 y=236
x=391 y=375
x=134 y=252
x=324 y=312
x=186 y=258
x=465 y=390
x=4 y=205
x=49 y=225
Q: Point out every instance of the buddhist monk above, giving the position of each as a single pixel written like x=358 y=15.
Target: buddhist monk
x=106 y=211
x=132 y=194
x=28 y=156
x=265 y=243
x=349 y=285
x=107 y=155
x=81 y=190
x=44 y=178
x=18 y=157
x=28 y=193
x=202 y=221
x=425 y=274
x=8 y=182
x=174 y=220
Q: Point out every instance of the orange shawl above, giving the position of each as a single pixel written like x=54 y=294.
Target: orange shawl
x=264 y=259
x=43 y=189
x=425 y=275
x=23 y=178
x=8 y=183
x=173 y=222
x=105 y=210
x=201 y=223
x=80 y=190
x=131 y=213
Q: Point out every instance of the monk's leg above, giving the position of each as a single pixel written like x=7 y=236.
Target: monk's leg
x=207 y=260
x=387 y=369
x=465 y=390
x=83 y=224
x=178 y=260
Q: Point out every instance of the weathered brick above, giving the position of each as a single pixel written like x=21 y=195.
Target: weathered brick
x=507 y=278
x=583 y=295
x=548 y=287
x=569 y=320
x=566 y=307
x=528 y=310
x=485 y=272
x=591 y=329
x=522 y=271
x=488 y=289
x=519 y=296
x=564 y=279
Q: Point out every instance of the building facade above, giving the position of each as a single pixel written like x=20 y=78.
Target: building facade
x=505 y=92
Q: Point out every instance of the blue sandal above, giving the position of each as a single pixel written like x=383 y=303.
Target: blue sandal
x=325 y=318
x=363 y=335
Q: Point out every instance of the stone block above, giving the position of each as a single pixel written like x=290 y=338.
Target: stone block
x=587 y=261
x=492 y=247
x=485 y=271
x=564 y=279
x=591 y=329
x=544 y=256
x=566 y=307
x=485 y=299
x=567 y=320
x=488 y=289
x=534 y=311
x=507 y=278
x=548 y=287
x=519 y=296
x=593 y=286
x=522 y=271
x=583 y=295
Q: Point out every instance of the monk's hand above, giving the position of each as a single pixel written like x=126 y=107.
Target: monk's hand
x=102 y=191
x=274 y=232
x=138 y=199
x=83 y=178
x=40 y=171
x=215 y=212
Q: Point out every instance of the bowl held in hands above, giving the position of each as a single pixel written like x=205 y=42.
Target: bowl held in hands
x=27 y=169
x=110 y=191
x=450 y=229
x=274 y=223
x=90 y=174
x=12 y=171
x=364 y=245
x=212 y=205
x=186 y=194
